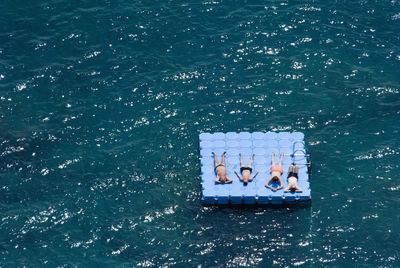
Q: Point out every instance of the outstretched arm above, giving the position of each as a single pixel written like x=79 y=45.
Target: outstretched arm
x=255 y=175
x=280 y=182
x=272 y=188
x=268 y=181
x=298 y=190
x=269 y=186
x=239 y=177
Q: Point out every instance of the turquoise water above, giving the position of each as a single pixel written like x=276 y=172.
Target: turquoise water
x=101 y=104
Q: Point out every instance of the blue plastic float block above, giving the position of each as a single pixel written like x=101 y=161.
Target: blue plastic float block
x=262 y=145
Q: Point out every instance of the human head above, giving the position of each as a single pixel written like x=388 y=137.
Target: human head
x=222 y=176
x=275 y=178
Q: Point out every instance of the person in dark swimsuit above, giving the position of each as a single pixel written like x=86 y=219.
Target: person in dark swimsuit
x=293 y=177
x=246 y=170
x=220 y=169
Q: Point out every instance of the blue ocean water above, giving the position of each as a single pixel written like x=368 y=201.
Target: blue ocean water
x=101 y=104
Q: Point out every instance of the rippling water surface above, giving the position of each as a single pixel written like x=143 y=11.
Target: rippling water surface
x=101 y=104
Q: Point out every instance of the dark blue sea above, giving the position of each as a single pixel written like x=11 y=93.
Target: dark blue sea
x=102 y=102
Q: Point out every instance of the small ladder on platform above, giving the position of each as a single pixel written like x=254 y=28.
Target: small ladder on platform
x=302 y=153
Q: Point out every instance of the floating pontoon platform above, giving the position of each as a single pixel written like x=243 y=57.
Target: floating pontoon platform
x=262 y=145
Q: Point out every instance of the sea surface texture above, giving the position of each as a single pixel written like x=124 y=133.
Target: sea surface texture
x=102 y=102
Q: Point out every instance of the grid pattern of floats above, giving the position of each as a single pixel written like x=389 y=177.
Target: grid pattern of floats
x=261 y=145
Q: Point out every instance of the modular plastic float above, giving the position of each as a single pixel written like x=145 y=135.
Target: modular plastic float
x=262 y=145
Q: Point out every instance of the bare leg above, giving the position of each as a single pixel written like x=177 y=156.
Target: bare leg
x=216 y=163
x=249 y=164
x=273 y=159
x=281 y=159
x=291 y=169
x=223 y=158
x=241 y=161
x=296 y=169
x=250 y=160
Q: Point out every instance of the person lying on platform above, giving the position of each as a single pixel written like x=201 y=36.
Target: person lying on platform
x=275 y=182
x=220 y=169
x=246 y=170
x=293 y=176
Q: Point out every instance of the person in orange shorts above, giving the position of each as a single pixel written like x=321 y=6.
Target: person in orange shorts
x=276 y=173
